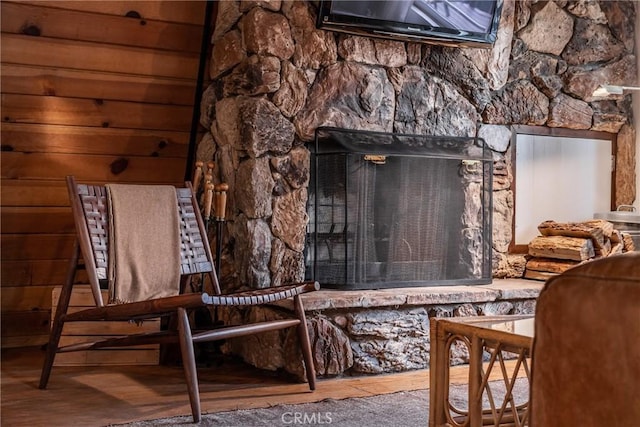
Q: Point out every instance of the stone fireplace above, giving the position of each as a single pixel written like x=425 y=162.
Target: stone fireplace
x=276 y=79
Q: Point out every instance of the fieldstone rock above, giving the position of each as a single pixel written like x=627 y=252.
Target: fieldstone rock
x=499 y=308
x=273 y=5
x=532 y=64
x=396 y=77
x=254 y=76
x=502 y=220
x=252 y=251
x=458 y=66
x=588 y=10
x=227 y=53
x=549 y=30
x=267 y=33
x=621 y=16
x=609 y=116
x=389 y=340
x=264 y=351
x=465 y=310
x=254 y=125
x=497 y=65
x=227 y=16
x=502 y=171
x=253 y=188
x=207 y=106
x=432 y=106
x=289 y=220
x=226 y=127
x=508 y=265
x=568 y=112
x=372 y=51
x=524 y=307
x=519 y=103
x=380 y=356
x=263 y=128
x=347 y=95
x=495 y=136
x=286 y=266
x=582 y=81
x=549 y=85
x=294 y=167
x=591 y=43
x=414 y=53
x=522 y=14
x=388 y=324
x=292 y=95
x=331 y=348
x=625 y=172
x=313 y=48
x=206 y=148
x=459 y=353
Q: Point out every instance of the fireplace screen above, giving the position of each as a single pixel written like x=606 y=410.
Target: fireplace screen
x=390 y=210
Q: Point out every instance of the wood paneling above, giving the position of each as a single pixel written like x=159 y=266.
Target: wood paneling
x=38 y=80
x=37 y=272
x=43 y=51
x=101 y=90
x=72 y=24
x=171 y=11
x=38 y=138
x=27 y=219
x=92 y=168
x=57 y=110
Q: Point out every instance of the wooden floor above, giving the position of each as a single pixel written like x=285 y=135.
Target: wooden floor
x=98 y=396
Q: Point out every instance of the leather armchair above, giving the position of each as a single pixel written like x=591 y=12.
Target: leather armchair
x=586 y=351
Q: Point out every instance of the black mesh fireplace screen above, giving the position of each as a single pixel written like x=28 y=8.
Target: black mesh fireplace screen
x=390 y=210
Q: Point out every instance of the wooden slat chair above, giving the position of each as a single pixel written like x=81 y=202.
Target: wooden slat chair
x=90 y=215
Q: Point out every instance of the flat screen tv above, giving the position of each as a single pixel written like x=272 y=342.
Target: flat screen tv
x=472 y=23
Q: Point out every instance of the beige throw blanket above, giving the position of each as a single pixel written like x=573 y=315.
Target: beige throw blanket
x=144 y=242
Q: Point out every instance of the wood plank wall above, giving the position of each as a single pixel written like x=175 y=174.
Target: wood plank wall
x=100 y=90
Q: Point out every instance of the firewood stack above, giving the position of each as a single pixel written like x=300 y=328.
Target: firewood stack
x=565 y=245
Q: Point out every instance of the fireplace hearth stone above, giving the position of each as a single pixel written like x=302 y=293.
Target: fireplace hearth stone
x=359 y=332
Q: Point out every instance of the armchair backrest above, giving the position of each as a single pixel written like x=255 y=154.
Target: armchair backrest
x=586 y=351
x=89 y=207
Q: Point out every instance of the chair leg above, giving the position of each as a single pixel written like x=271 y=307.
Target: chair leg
x=189 y=363
x=58 y=320
x=305 y=343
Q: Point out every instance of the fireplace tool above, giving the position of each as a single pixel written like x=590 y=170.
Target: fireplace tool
x=205 y=197
x=207 y=352
x=221 y=206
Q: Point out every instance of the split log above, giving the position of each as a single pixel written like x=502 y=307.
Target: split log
x=606 y=226
x=616 y=248
x=550 y=265
x=628 y=244
x=616 y=237
x=598 y=230
x=561 y=247
x=538 y=275
x=603 y=251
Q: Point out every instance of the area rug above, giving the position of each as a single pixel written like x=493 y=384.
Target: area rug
x=403 y=409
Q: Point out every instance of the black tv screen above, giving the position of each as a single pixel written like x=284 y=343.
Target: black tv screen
x=471 y=23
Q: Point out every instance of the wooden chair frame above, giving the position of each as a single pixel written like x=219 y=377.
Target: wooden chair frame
x=89 y=208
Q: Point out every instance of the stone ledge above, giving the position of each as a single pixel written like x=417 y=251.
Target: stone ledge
x=499 y=289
